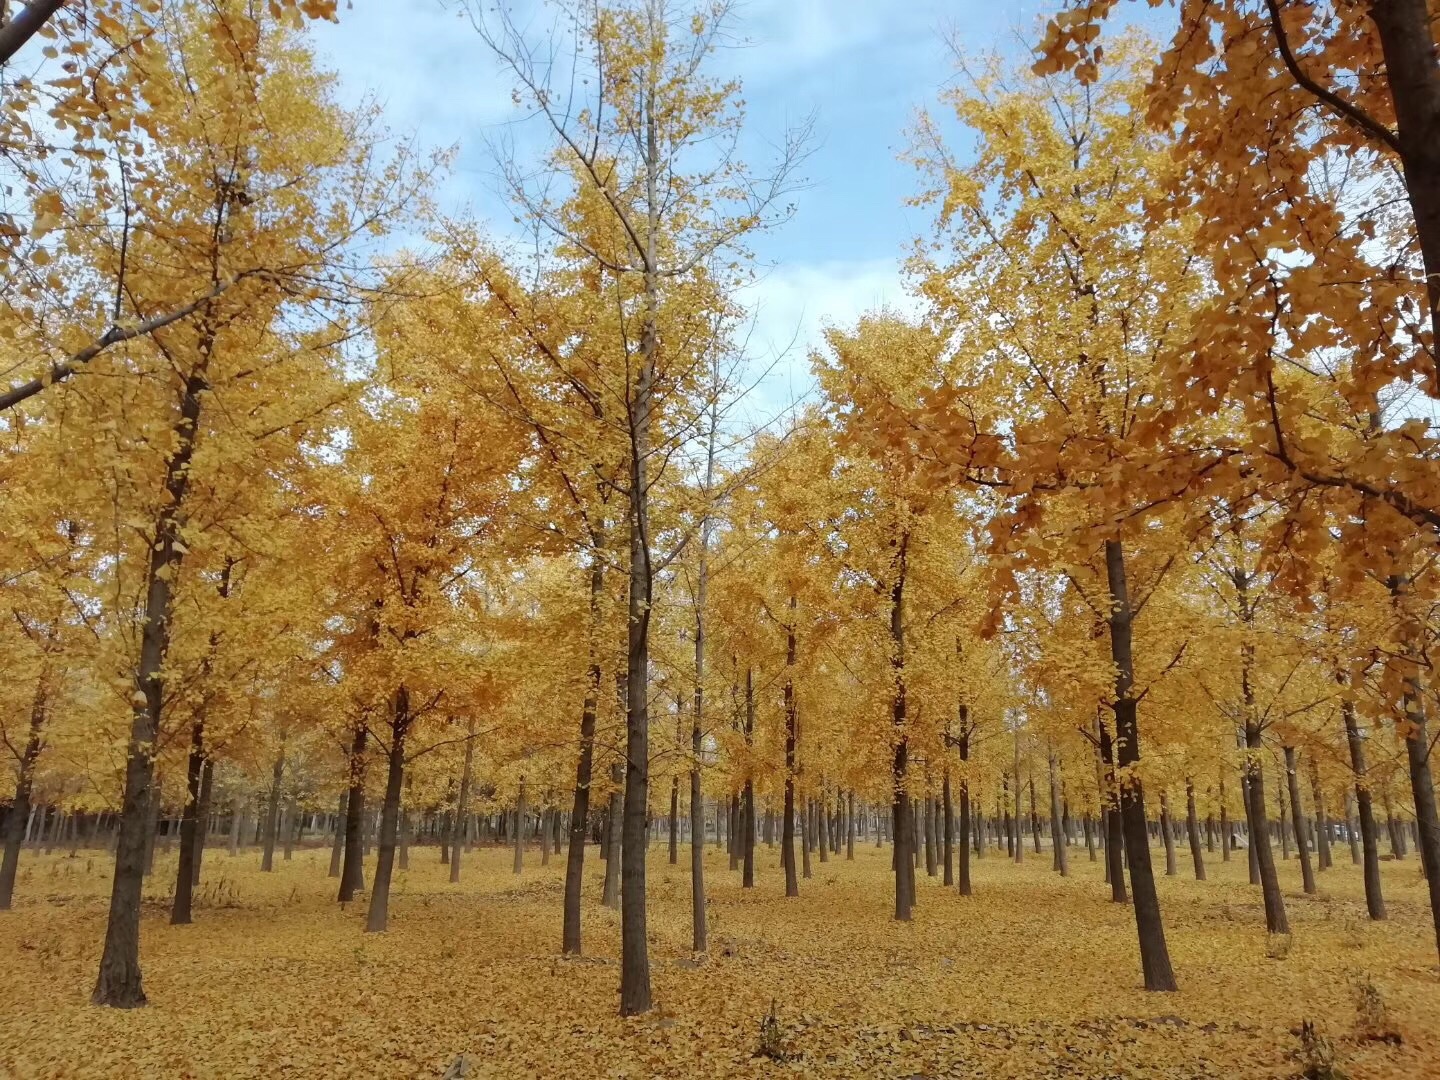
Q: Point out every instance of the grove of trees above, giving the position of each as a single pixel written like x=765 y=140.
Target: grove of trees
x=328 y=514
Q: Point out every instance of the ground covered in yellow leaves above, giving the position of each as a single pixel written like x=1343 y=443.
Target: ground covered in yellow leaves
x=1033 y=976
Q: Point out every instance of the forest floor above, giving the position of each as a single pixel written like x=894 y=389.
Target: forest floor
x=1033 y=976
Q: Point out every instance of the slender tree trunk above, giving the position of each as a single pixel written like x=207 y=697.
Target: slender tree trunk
x=1322 y=822
x=850 y=827
x=614 y=829
x=237 y=824
x=634 y=954
x=900 y=809
x=18 y=819
x=927 y=818
x=1154 y=955
x=1275 y=917
x=1114 y=828
x=1061 y=857
x=963 y=870
x=948 y=838
x=118 y=983
x=580 y=803
x=379 y=914
x=1192 y=826
x=1417 y=755
x=462 y=805
x=521 y=809
x=292 y=812
x=185 y=871
x=787 y=827
x=822 y=831
x=338 y=844
x=1369 y=839
x=1255 y=811
x=1167 y=833
x=1297 y=817
x=272 y=813
x=202 y=824
x=674 y=819
x=352 y=872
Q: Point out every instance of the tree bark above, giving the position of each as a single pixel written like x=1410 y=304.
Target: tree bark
x=1167 y=833
x=1060 y=856
x=338 y=843
x=1365 y=808
x=1322 y=822
x=787 y=827
x=379 y=915
x=118 y=983
x=186 y=870
x=1154 y=955
x=610 y=895
x=747 y=806
x=352 y=873
x=18 y=818
x=1422 y=786
x=462 y=805
x=1297 y=817
x=272 y=813
x=26 y=23
x=1407 y=39
x=947 y=838
x=580 y=802
x=900 y=808
x=518 y=863
x=1192 y=826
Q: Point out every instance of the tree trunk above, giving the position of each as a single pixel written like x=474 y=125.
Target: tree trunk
x=807 y=832
x=237 y=824
x=272 y=814
x=18 y=817
x=610 y=896
x=462 y=805
x=947 y=839
x=1167 y=833
x=634 y=954
x=1114 y=828
x=1276 y=921
x=1407 y=39
x=352 y=872
x=338 y=844
x=580 y=802
x=698 y=937
x=1254 y=787
x=292 y=811
x=1192 y=826
x=822 y=834
x=787 y=826
x=521 y=809
x=1422 y=786
x=1322 y=822
x=1154 y=955
x=900 y=808
x=379 y=915
x=186 y=870
x=1060 y=856
x=1369 y=840
x=1297 y=816
x=118 y=983
x=850 y=827
x=674 y=820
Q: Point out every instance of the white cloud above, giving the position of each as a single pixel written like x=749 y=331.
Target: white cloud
x=792 y=306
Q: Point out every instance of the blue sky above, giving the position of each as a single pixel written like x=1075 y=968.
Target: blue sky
x=862 y=66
